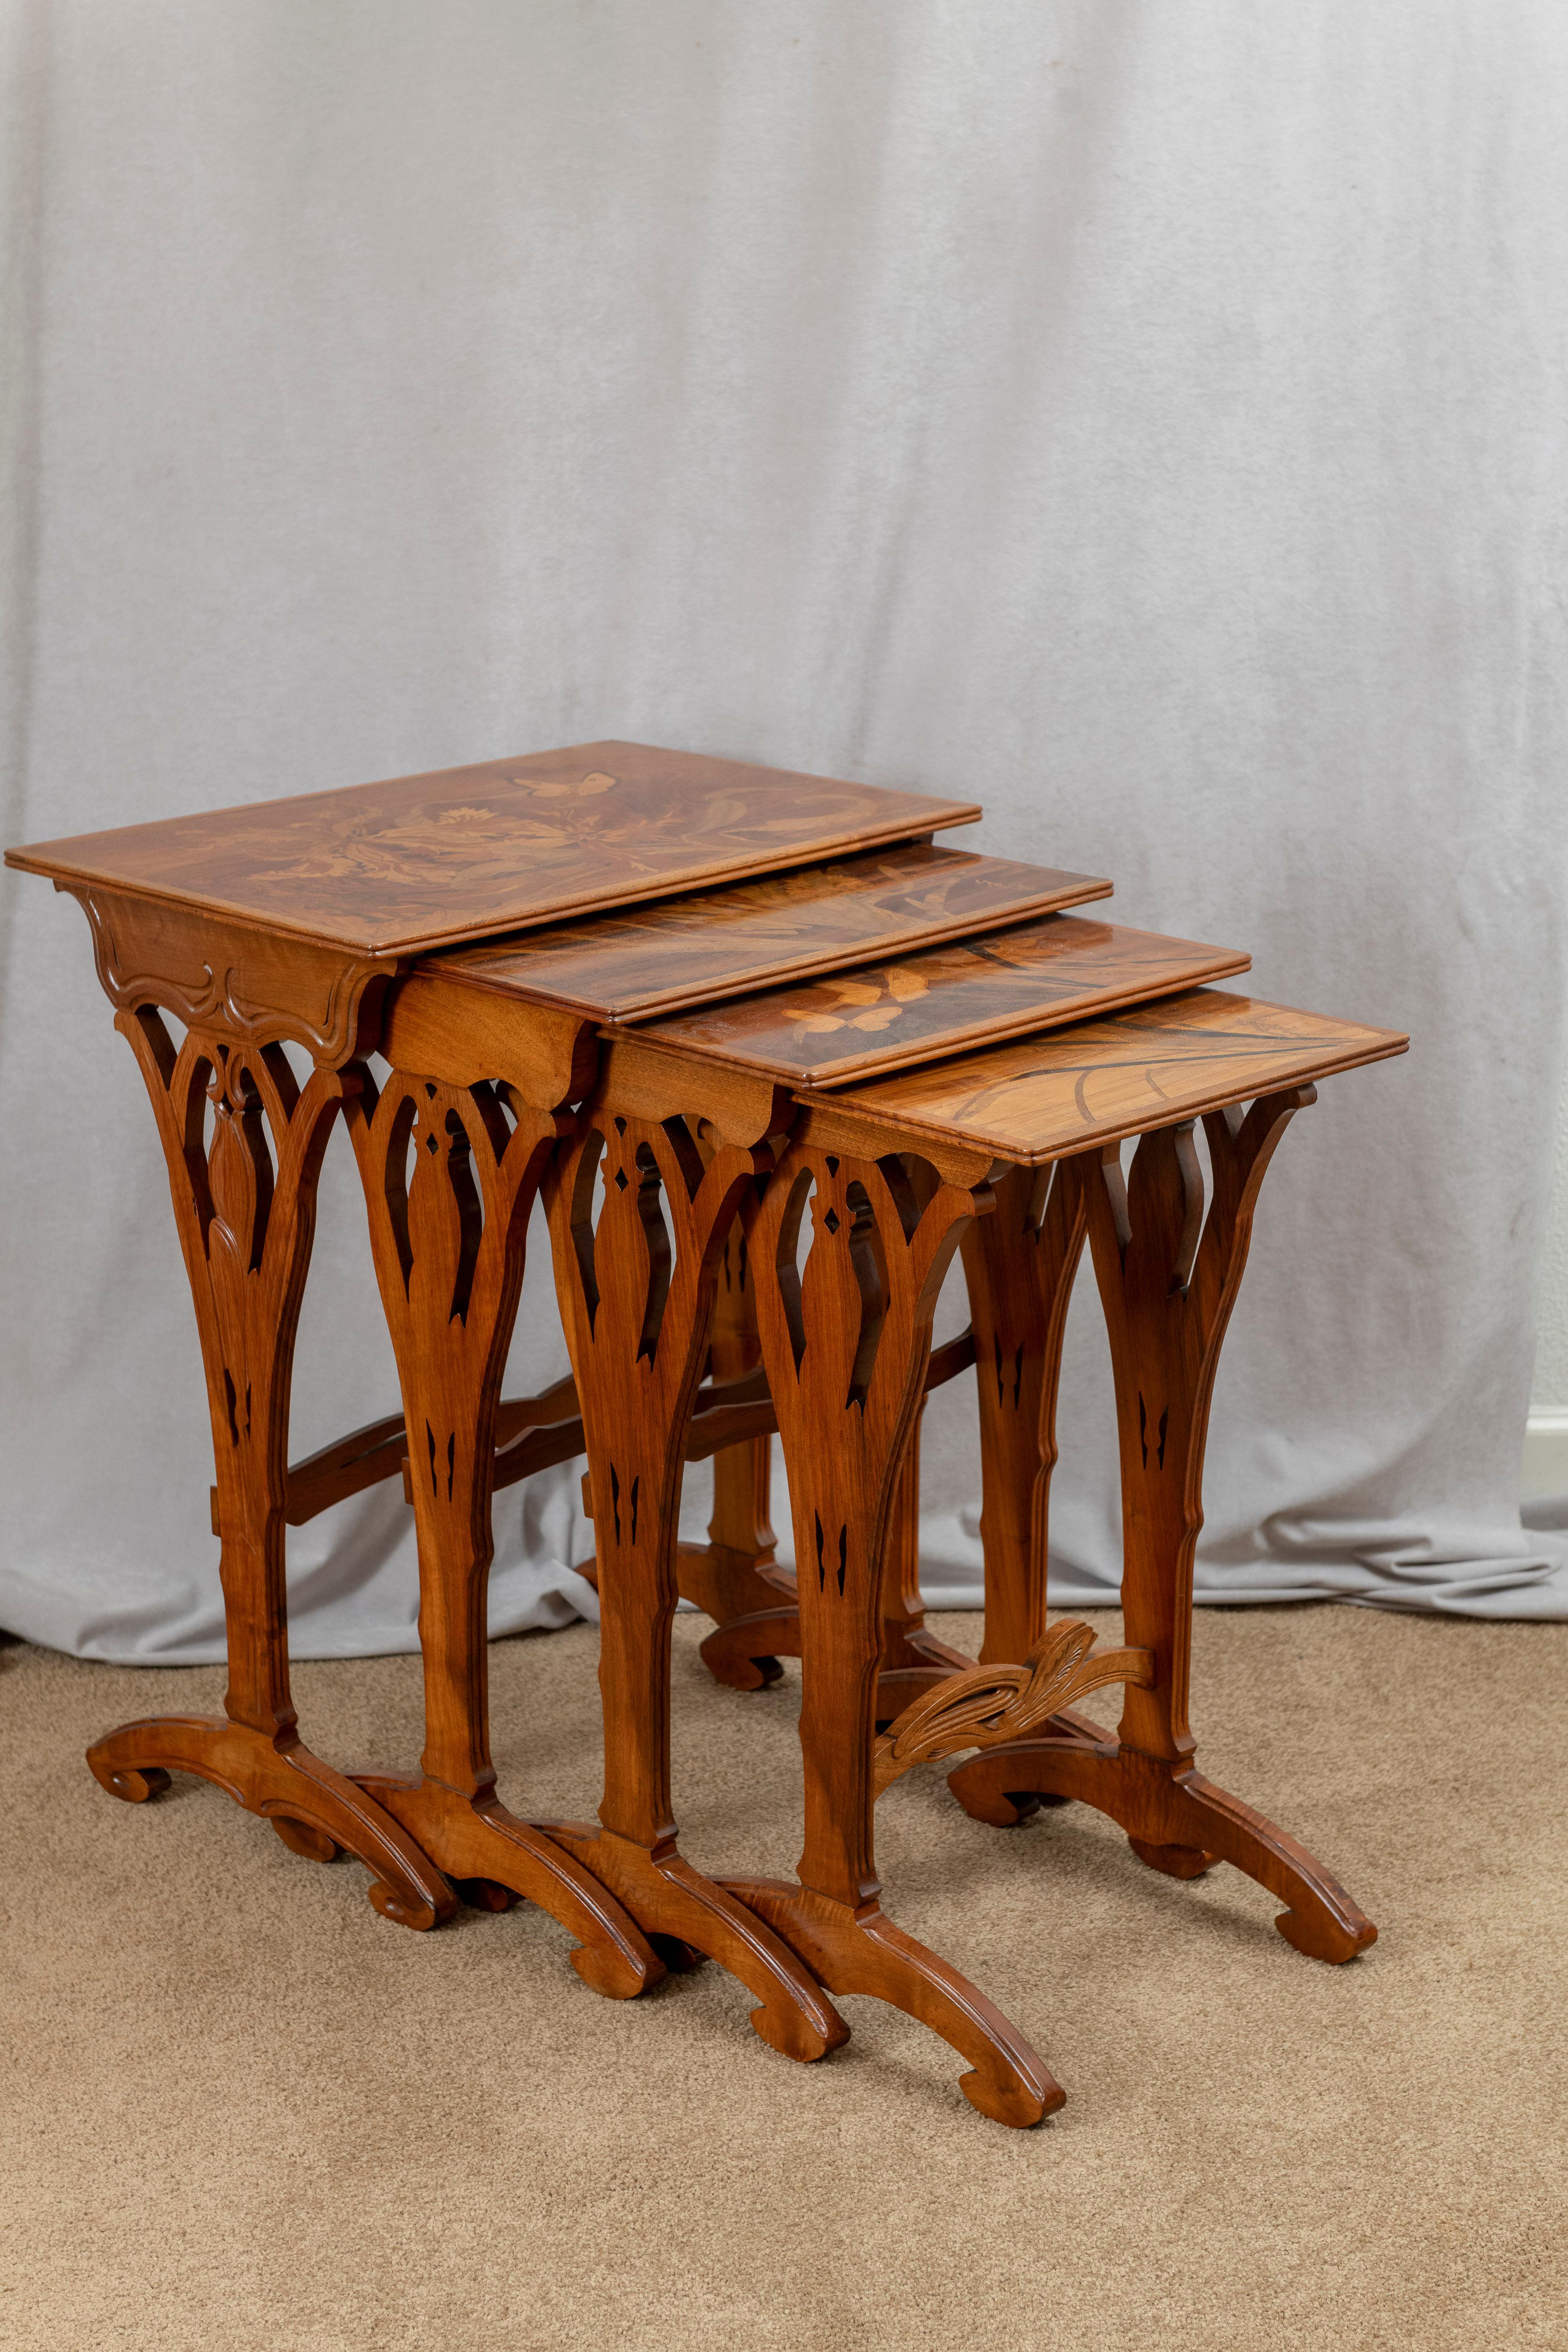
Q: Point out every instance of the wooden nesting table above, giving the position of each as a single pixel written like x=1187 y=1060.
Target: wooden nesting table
x=682 y=1001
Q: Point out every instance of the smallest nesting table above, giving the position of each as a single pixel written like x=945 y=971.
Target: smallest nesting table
x=675 y=1134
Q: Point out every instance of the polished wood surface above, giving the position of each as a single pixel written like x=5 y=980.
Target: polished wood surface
x=250 y=987
x=754 y=1601
x=450 y=1174
x=845 y=1340
x=684 y=952
x=1168 y=1276
x=639 y=1218
x=1100 y=1080
x=421 y=861
x=983 y=1706
x=702 y=1137
x=1018 y=1265
x=244 y=1196
x=883 y=1017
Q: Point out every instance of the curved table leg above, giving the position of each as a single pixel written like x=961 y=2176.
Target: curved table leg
x=636 y=1314
x=856 y=1950
x=744 y=1648
x=846 y=1345
x=1019 y=1265
x=1177 y=1822
x=448 y=1248
x=733 y=1575
x=1168 y=1296
x=245 y=1204
x=316 y=1811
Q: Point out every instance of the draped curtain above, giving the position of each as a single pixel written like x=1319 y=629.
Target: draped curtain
x=1142 y=418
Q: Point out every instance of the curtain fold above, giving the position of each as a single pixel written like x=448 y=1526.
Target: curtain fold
x=1146 y=421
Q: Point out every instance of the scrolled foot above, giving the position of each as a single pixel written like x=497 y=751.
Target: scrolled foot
x=1322 y=1937
x=123 y=1781
x=477 y=1842
x=1321 y=1921
x=861 y=1951
x=668 y=1898
x=314 y=1809
x=1177 y=1822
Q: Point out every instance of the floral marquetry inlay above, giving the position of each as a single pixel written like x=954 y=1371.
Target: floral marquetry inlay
x=828 y=1031
x=421 y=862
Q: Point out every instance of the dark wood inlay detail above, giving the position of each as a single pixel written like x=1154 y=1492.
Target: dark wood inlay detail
x=782 y=927
x=883 y=1017
x=1148 y=1067
x=421 y=861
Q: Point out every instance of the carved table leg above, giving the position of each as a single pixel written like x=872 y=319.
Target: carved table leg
x=1019 y=1266
x=245 y=1204
x=1168 y=1297
x=449 y=1242
x=913 y=1659
x=637 y=1315
x=733 y=1579
x=733 y=1575
x=846 y=1346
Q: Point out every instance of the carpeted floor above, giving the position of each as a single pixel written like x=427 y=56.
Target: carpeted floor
x=243 y=2112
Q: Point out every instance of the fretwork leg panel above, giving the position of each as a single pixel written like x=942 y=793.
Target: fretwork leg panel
x=846 y=1345
x=450 y=1174
x=1168 y=1279
x=636 y=1281
x=245 y=1204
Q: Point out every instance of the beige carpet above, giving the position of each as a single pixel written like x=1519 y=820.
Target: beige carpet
x=243 y=2112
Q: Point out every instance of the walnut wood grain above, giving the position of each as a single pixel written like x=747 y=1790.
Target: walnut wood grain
x=1168 y=1279
x=846 y=1341
x=233 y=979
x=1100 y=1080
x=550 y=1056
x=684 y=952
x=421 y=861
x=244 y=1205
x=990 y=1705
x=637 y=1225
x=734 y=1573
x=827 y=1033
x=1019 y=1265
x=450 y=1174
x=754 y=1602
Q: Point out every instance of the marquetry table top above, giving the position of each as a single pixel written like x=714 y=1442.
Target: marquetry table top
x=1149 y=1065
x=684 y=952
x=420 y=862
x=882 y=1017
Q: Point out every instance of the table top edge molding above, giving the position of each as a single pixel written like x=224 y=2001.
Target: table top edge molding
x=408 y=865
x=481 y=964
x=1186 y=964
x=897 y=1116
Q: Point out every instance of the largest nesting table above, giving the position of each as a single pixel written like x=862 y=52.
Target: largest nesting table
x=914 y=1040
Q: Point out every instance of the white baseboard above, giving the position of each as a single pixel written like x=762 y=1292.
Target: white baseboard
x=1545 y=1457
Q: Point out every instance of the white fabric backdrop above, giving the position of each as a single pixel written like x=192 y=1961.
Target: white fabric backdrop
x=1143 y=417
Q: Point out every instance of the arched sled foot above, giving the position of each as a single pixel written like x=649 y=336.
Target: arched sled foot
x=1177 y=1822
x=677 y=1907
x=475 y=1839
x=860 y=1951
x=314 y=1809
